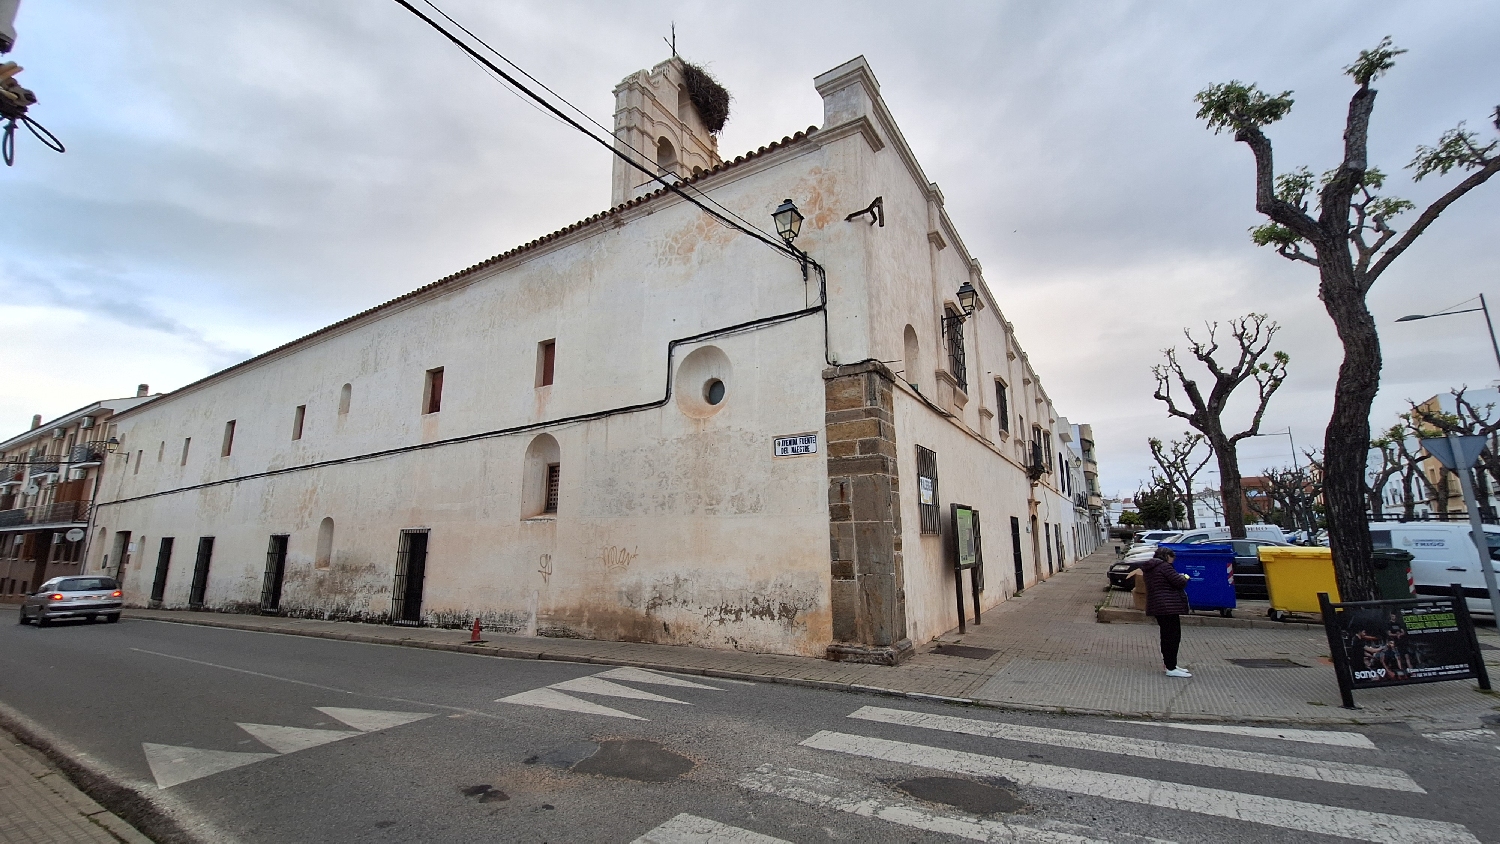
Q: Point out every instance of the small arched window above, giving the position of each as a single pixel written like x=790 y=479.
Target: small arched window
x=541 y=477
x=910 y=351
x=325 y=545
x=344 y=395
x=666 y=156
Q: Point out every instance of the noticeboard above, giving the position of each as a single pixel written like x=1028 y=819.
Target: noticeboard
x=1399 y=643
x=966 y=545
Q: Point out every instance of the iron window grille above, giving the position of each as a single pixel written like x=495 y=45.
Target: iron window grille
x=411 y=571
x=163 y=565
x=1002 y=405
x=554 y=483
x=200 y=572
x=927 y=490
x=270 y=590
x=953 y=331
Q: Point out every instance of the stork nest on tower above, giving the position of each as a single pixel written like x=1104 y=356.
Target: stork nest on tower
x=709 y=97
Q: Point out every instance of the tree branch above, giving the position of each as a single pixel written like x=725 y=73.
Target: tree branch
x=1475 y=179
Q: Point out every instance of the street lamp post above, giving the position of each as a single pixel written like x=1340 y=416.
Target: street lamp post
x=1483 y=308
x=1304 y=515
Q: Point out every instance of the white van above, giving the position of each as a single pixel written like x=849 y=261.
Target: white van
x=1443 y=554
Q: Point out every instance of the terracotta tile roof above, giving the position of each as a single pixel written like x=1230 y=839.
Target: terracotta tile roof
x=488 y=262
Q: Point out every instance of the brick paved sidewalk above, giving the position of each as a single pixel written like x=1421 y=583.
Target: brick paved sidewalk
x=1049 y=653
x=39 y=806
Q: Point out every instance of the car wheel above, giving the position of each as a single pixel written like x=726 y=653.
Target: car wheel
x=24 y=619
x=112 y=618
x=91 y=618
x=42 y=620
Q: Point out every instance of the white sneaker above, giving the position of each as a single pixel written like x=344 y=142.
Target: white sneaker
x=1179 y=671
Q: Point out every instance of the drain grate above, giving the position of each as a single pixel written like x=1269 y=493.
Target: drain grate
x=1266 y=663
x=964 y=651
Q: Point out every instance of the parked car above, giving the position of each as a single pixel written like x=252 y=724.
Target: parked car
x=1249 y=575
x=1442 y=554
x=1119 y=573
x=73 y=597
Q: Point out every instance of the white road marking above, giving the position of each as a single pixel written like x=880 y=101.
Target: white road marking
x=691 y=829
x=595 y=686
x=369 y=720
x=1336 y=738
x=177 y=765
x=1481 y=735
x=829 y=793
x=552 y=699
x=1254 y=808
x=641 y=675
x=293 y=739
x=1187 y=754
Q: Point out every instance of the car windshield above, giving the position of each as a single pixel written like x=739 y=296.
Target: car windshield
x=85 y=584
x=1492 y=538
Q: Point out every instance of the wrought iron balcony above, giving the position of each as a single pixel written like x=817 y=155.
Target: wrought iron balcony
x=85 y=454
x=60 y=512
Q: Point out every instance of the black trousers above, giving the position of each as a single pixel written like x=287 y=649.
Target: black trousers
x=1171 y=638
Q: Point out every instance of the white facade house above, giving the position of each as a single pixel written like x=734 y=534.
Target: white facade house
x=646 y=426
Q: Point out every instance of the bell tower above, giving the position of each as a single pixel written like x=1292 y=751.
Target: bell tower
x=659 y=122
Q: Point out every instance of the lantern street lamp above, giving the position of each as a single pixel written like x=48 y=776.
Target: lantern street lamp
x=788 y=221
x=968 y=299
x=1482 y=307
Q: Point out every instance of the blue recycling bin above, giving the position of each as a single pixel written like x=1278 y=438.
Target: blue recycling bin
x=1211 y=567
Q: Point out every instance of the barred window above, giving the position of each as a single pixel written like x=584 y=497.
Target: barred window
x=953 y=329
x=554 y=471
x=927 y=490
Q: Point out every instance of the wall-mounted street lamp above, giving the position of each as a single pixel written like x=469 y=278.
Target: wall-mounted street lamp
x=788 y=221
x=109 y=446
x=968 y=299
x=1482 y=307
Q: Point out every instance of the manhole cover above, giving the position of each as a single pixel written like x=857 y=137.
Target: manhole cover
x=1266 y=663
x=964 y=651
x=635 y=759
x=973 y=797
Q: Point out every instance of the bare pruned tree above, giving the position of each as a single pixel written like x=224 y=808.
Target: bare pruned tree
x=1289 y=496
x=1472 y=419
x=1251 y=359
x=1180 y=466
x=1387 y=444
x=1348 y=236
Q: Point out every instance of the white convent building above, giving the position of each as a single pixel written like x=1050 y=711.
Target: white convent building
x=642 y=427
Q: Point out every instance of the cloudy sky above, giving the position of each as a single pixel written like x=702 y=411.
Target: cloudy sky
x=239 y=174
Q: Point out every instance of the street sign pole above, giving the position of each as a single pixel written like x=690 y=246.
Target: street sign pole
x=1476 y=527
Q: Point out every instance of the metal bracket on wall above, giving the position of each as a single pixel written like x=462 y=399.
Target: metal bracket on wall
x=875 y=209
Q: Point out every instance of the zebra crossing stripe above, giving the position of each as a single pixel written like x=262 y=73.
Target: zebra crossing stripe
x=691 y=829
x=830 y=793
x=1254 y=808
x=1189 y=754
x=1335 y=738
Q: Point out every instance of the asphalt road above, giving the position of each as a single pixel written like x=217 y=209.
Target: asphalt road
x=267 y=738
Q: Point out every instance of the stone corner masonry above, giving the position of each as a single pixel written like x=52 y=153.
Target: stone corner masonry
x=864 y=516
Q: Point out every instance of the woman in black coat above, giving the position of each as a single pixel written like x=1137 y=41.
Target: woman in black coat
x=1166 y=601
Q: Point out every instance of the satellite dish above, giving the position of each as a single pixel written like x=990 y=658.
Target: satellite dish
x=74 y=535
x=31 y=489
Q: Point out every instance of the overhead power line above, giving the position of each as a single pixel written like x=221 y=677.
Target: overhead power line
x=609 y=144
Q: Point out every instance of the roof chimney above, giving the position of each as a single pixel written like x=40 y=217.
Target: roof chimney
x=36 y=421
x=142 y=390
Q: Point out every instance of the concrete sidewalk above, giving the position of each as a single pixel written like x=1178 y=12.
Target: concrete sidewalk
x=1042 y=650
x=38 y=805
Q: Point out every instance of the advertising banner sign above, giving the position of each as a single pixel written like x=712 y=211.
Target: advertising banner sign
x=1398 y=643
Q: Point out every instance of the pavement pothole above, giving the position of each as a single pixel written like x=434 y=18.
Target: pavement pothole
x=635 y=759
x=484 y=793
x=564 y=755
x=976 y=798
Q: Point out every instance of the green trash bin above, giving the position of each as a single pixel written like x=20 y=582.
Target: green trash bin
x=1393 y=573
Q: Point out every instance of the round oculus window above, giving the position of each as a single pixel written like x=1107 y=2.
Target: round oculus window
x=713 y=391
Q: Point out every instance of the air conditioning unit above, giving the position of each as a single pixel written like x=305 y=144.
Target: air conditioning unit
x=77 y=474
x=86 y=422
x=58 y=433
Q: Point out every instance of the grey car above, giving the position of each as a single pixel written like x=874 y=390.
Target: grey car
x=73 y=597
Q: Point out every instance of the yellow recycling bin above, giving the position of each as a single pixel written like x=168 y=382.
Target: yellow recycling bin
x=1295 y=576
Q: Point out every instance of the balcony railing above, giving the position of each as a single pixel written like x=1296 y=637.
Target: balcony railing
x=61 y=512
x=44 y=468
x=85 y=454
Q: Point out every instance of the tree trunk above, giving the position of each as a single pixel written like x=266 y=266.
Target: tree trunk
x=1346 y=443
x=1229 y=486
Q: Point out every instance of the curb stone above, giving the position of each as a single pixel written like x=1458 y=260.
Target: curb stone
x=859 y=688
